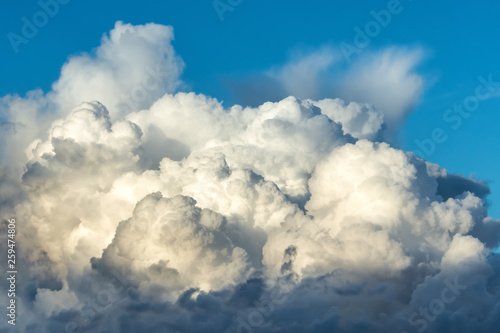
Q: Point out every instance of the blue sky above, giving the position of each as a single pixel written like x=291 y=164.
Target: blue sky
x=459 y=39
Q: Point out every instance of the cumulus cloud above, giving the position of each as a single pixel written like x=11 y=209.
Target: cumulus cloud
x=176 y=214
x=179 y=246
x=388 y=81
x=385 y=80
x=132 y=68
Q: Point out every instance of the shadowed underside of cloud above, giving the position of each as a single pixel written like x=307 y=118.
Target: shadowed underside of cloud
x=175 y=214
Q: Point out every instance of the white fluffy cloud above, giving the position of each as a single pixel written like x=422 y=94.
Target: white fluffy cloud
x=206 y=210
x=374 y=210
x=132 y=68
x=385 y=81
x=178 y=246
x=388 y=81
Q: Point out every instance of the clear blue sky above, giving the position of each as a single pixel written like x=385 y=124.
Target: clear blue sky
x=461 y=39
